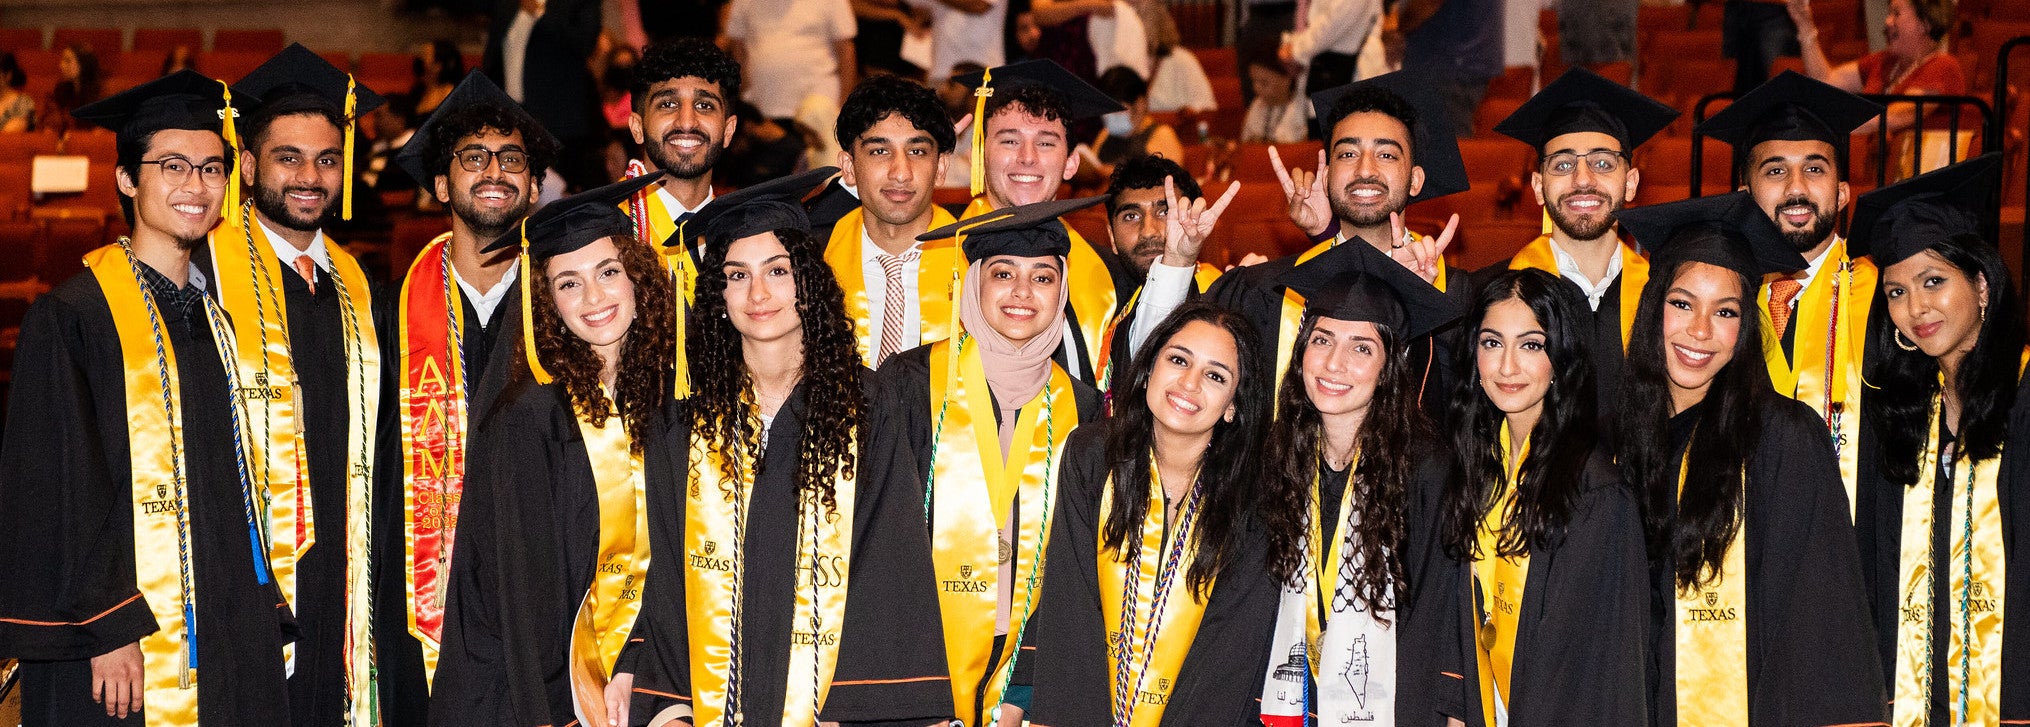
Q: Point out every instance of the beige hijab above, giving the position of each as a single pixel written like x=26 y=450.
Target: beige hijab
x=1015 y=372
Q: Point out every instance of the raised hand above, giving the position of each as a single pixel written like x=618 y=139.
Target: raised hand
x=1308 y=205
x=1189 y=223
x=1422 y=255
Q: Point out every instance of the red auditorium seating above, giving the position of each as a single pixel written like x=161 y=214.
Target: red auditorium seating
x=1494 y=158
x=163 y=40
x=103 y=41
x=1668 y=161
x=17 y=250
x=264 y=41
x=65 y=243
x=232 y=64
x=386 y=72
x=20 y=39
x=24 y=146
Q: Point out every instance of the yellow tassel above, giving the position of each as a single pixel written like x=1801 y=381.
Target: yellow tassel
x=1548 y=226
x=351 y=108
x=232 y=136
x=528 y=319
x=979 y=170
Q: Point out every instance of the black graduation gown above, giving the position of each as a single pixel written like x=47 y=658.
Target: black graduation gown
x=1582 y=651
x=1810 y=655
x=829 y=205
x=891 y=668
x=528 y=545
x=1220 y=680
x=1879 y=519
x=66 y=522
x=1127 y=286
x=1604 y=326
x=404 y=684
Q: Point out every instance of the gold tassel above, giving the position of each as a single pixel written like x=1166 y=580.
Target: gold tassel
x=351 y=108
x=1548 y=226
x=232 y=137
x=528 y=318
x=979 y=170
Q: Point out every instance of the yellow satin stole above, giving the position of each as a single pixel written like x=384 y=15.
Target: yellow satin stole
x=1149 y=596
x=661 y=224
x=1712 y=639
x=1538 y=255
x=1089 y=287
x=606 y=615
x=1499 y=582
x=715 y=516
x=938 y=267
x=1829 y=342
x=1976 y=567
x=974 y=488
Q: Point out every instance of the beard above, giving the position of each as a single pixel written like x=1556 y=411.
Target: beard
x=1345 y=211
x=1822 y=225
x=489 y=224
x=1144 y=253
x=1581 y=228
x=708 y=155
x=274 y=205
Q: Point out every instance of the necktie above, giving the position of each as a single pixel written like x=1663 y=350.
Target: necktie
x=308 y=269
x=892 y=304
x=1781 y=294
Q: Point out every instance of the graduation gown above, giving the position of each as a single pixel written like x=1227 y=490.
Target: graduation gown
x=1216 y=684
x=1582 y=647
x=528 y=545
x=891 y=668
x=1603 y=328
x=69 y=591
x=1880 y=526
x=1811 y=659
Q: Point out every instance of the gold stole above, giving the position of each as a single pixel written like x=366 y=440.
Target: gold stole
x=1324 y=573
x=1152 y=616
x=432 y=401
x=250 y=290
x=1500 y=582
x=683 y=271
x=163 y=570
x=1976 y=564
x=1712 y=639
x=1825 y=371
x=1202 y=278
x=937 y=272
x=1089 y=287
x=606 y=616
x=966 y=546
x=716 y=512
x=1538 y=255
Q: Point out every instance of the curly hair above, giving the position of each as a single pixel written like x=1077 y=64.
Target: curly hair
x=1379 y=487
x=685 y=58
x=1372 y=98
x=647 y=353
x=1031 y=99
x=835 y=405
x=879 y=96
x=1148 y=172
x=450 y=125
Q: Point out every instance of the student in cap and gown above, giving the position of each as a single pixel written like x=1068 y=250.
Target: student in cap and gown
x=553 y=542
x=1350 y=500
x=1758 y=609
x=137 y=588
x=1944 y=505
x=1157 y=603
x=791 y=580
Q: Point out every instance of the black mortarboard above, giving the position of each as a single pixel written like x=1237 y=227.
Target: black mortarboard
x=1030 y=230
x=576 y=221
x=1581 y=100
x=773 y=205
x=1082 y=100
x=472 y=91
x=180 y=100
x=1727 y=230
x=1791 y=107
x=1355 y=282
x=295 y=74
x=1432 y=146
x=1895 y=222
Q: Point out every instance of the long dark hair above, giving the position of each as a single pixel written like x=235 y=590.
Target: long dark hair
x=834 y=403
x=1905 y=381
x=1551 y=476
x=1379 y=486
x=641 y=386
x=1709 y=509
x=1224 y=472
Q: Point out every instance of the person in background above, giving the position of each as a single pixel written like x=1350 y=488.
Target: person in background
x=1280 y=114
x=78 y=84
x=882 y=26
x=180 y=58
x=1597 y=33
x=966 y=32
x=762 y=148
x=1335 y=43
x=390 y=127
x=616 y=103
x=1456 y=46
x=1755 y=33
x=17 y=109
x=1262 y=26
x=1915 y=62
x=438 y=67
x=1132 y=132
x=796 y=54
x=537 y=50
x=1061 y=33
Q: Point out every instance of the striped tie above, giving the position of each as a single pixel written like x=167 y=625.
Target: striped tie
x=892 y=304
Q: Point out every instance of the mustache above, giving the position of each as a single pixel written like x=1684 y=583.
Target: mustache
x=510 y=186
x=698 y=132
x=1797 y=201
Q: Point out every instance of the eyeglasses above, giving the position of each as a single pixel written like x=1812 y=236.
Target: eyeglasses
x=1563 y=164
x=176 y=171
x=476 y=158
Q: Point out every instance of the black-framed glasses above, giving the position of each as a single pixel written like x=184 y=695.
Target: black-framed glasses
x=1565 y=163
x=176 y=171
x=476 y=159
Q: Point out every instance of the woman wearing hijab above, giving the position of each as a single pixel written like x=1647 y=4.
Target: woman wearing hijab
x=1760 y=617
x=790 y=581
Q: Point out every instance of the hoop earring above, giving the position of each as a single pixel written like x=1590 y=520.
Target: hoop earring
x=1897 y=333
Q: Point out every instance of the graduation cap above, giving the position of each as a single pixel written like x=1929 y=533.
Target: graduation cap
x=1791 y=107
x=296 y=74
x=564 y=226
x=1895 y=222
x=1030 y=230
x=181 y=100
x=473 y=91
x=1433 y=146
x=773 y=205
x=1727 y=230
x=1581 y=100
x=1355 y=282
x=1081 y=99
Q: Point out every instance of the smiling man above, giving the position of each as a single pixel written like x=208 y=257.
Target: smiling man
x=1585 y=129
x=1153 y=273
x=481 y=155
x=1790 y=150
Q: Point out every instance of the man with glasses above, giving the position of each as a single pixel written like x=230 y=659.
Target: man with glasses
x=1584 y=128
x=137 y=585
x=484 y=157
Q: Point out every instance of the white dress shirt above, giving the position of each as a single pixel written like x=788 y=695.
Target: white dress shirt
x=287 y=253
x=1569 y=268
x=484 y=303
x=875 y=278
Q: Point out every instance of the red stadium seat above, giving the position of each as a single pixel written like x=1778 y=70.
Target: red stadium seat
x=232 y=65
x=103 y=41
x=1494 y=159
x=20 y=39
x=163 y=40
x=1515 y=82
x=264 y=41
x=17 y=250
x=386 y=72
x=39 y=65
x=65 y=242
x=1668 y=161
x=23 y=147
x=1492 y=111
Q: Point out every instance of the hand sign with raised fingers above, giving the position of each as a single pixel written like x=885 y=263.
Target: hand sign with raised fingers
x=1189 y=223
x=1309 y=206
x=1422 y=255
